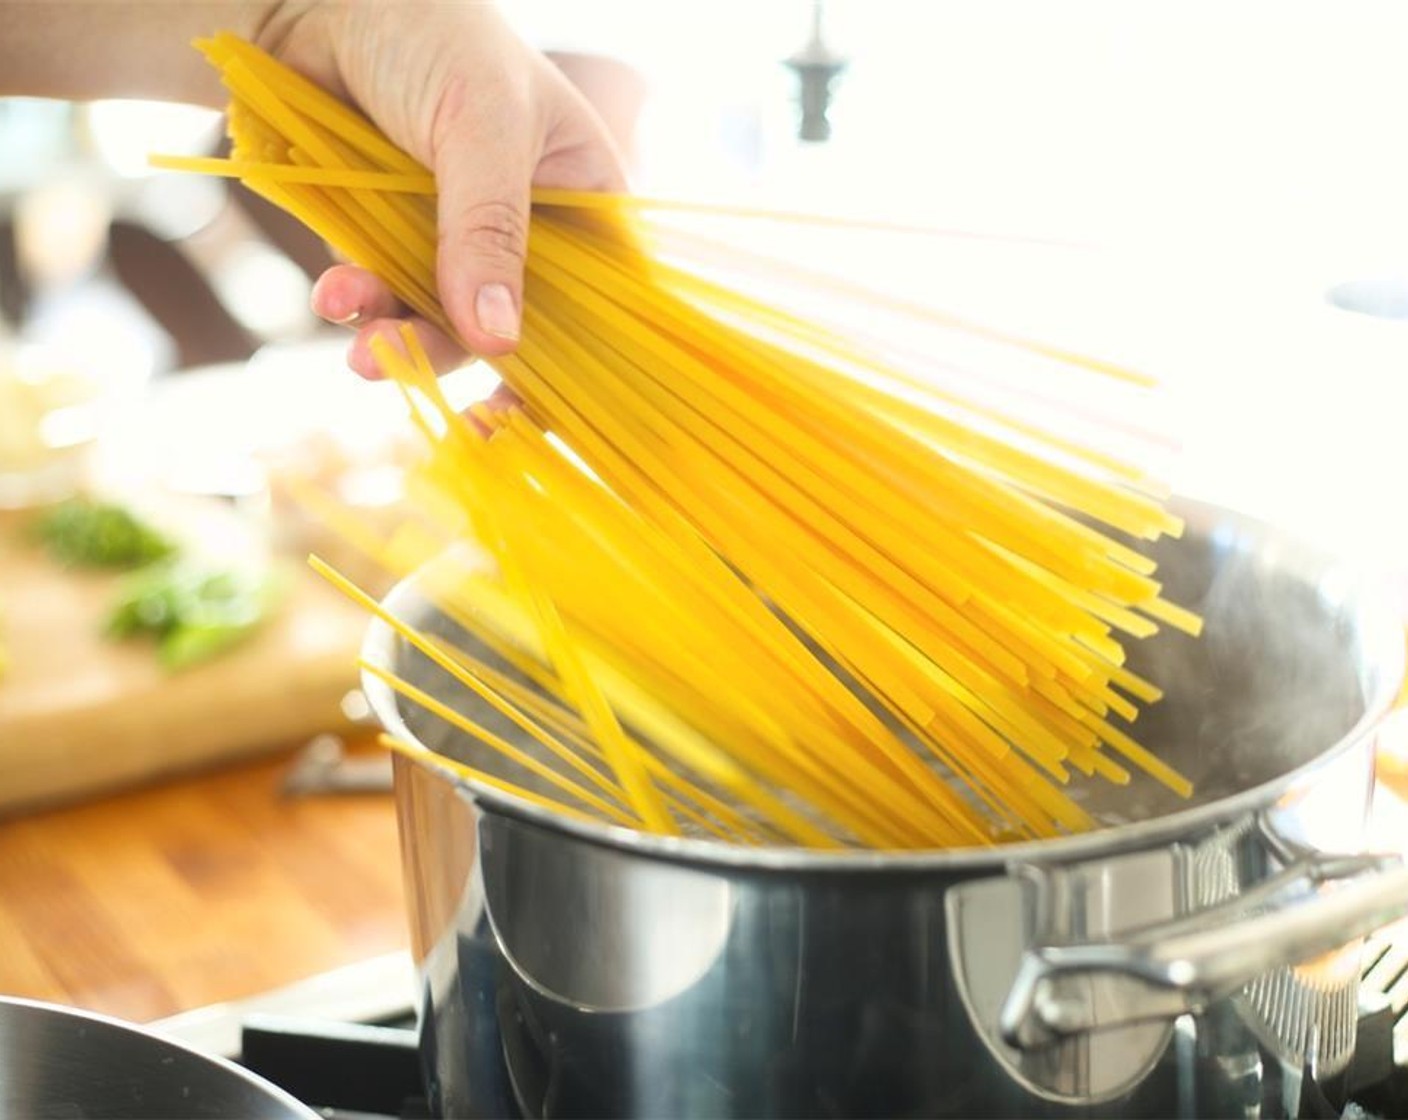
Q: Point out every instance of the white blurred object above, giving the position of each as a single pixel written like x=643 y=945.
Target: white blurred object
x=1092 y=119
x=265 y=291
x=176 y=207
x=295 y=436
x=125 y=132
x=77 y=310
x=1380 y=297
x=47 y=419
x=1293 y=408
x=213 y=430
x=61 y=230
x=35 y=139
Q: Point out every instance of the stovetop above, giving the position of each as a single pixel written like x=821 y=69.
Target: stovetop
x=345 y=1070
x=371 y=1070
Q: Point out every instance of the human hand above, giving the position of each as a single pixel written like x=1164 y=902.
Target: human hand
x=457 y=89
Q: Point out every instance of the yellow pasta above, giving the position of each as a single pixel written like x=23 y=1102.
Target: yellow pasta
x=751 y=577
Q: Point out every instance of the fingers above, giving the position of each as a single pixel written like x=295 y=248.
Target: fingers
x=489 y=118
x=485 y=154
x=348 y=296
x=352 y=297
x=444 y=352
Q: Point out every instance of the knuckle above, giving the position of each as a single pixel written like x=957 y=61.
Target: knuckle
x=496 y=231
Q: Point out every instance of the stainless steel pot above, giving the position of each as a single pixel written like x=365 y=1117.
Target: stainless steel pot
x=61 y=1063
x=1193 y=959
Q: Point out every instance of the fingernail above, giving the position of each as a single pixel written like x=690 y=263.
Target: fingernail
x=496 y=312
x=317 y=298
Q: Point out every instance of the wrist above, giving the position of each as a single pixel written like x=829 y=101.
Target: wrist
x=84 y=49
x=309 y=36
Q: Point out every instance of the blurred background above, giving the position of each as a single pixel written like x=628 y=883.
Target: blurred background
x=1214 y=192
x=1259 y=128
x=1246 y=160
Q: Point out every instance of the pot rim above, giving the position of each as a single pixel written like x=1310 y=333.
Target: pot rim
x=215 y=1065
x=1376 y=599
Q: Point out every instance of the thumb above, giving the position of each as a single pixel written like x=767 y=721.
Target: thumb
x=484 y=177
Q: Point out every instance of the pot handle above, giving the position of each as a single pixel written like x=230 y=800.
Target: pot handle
x=1163 y=971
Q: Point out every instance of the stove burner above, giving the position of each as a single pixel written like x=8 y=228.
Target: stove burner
x=344 y=1069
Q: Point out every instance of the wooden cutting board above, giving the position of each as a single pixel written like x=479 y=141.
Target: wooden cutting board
x=80 y=714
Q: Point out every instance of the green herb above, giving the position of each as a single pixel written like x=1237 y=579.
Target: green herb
x=87 y=534
x=194 y=613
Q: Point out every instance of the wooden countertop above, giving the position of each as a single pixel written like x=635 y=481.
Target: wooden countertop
x=211 y=888
x=217 y=887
